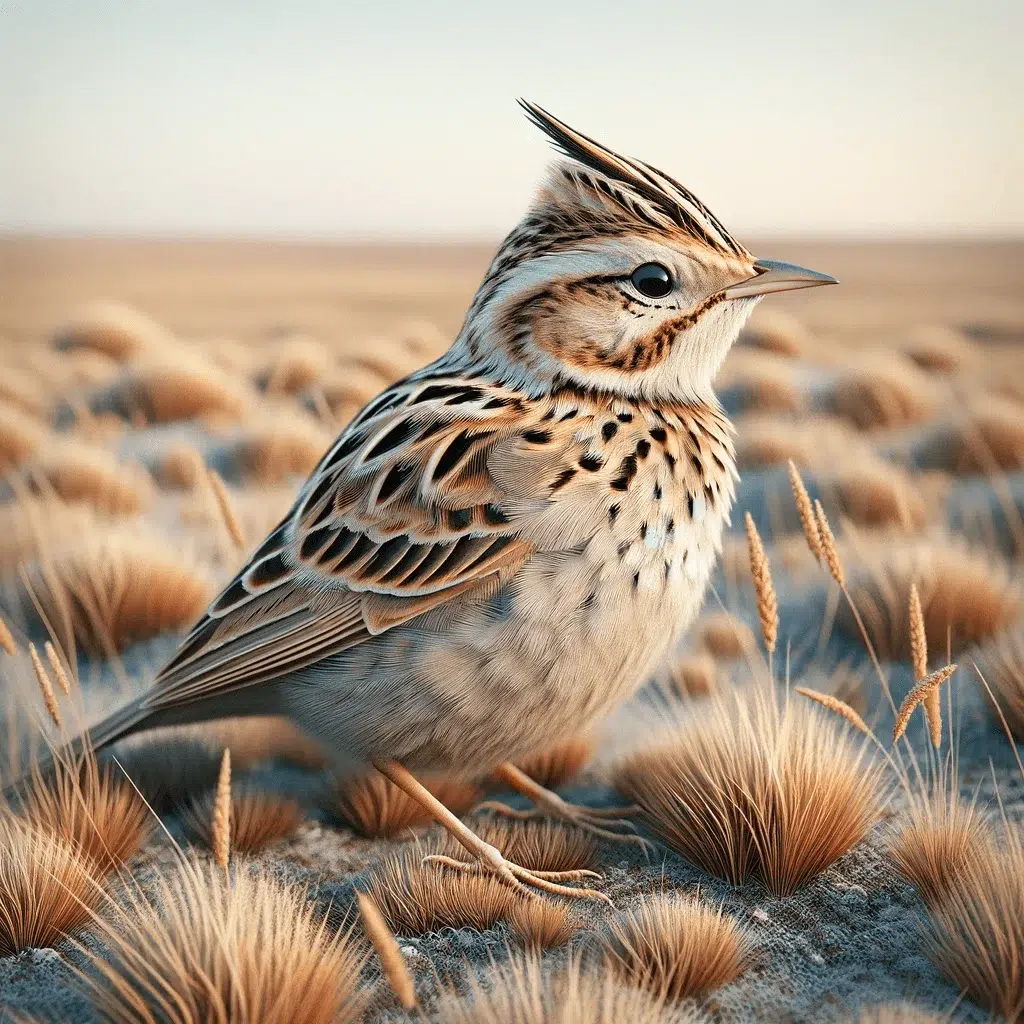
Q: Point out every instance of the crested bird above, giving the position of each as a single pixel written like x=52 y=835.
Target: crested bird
x=501 y=547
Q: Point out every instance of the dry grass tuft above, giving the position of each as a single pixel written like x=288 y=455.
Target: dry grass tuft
x=298 y=363
x=688 y=675
x=940 y=835
x=975 y=934
x=45 y=687
x=940 y=349
x=766 y=380
x=391 y=960
x=378 y=809
x=208 y=949
x=989 y=439
x=282 y=444
x=965 y=597
x=899 y=1013
x=116 y=330
x=543 y=924
x=676 y=948
x=79 y=472
x=118 y=587
x=30 y=526
x=744 y=787
x=416 y=898
x=93 y=807
x=873 y=493
x=776 y=332
x=828 y=546
x=170 y=766
x=537 y=845
x=181 y=468
x=884 y=395
x=21 y=437
x=179 y=385
x=767 y=603
x=46 y=887
x=256 y=817
x=1001 y=662
x=559 y=764
x=723 y=636
x=521 y=991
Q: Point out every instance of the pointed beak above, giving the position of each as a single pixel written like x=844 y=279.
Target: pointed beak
x=773 y=276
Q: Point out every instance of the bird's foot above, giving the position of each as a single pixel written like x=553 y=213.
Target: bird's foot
x=489 y=860
x=597 y=821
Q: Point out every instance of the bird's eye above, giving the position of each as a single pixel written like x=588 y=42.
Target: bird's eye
x=652 y=280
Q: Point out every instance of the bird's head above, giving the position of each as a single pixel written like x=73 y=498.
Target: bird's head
x=618 y=278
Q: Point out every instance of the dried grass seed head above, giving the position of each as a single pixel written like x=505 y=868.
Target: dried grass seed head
x=257 y=818
x=764 y=588
x=392 y=962
x=543 y=924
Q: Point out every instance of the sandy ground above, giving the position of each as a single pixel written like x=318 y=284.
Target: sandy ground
x=879 y=389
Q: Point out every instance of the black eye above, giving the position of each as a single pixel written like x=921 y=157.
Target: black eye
x=652 y=280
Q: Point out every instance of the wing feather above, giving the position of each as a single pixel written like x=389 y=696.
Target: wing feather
x=405 y=513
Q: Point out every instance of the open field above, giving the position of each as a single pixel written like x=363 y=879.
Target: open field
x=799 y=870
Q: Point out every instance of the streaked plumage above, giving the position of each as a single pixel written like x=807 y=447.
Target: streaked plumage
x=501 y=547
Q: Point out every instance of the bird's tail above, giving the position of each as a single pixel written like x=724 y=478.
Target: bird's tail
x=121 y=723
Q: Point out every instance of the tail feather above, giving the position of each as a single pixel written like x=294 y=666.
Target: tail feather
x=121 y=723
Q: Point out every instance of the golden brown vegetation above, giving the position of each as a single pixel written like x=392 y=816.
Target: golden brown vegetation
x=884 y=394
x=975 y=934
x=45 y=687
x=21 y=437
x=1001 y=662
x=676 y=948
x=46 y=886
x=521 y=991
x=687 y=675
x=79 y=472
x=918 y=695
x=281 y=444
x=745 y=786
x=180 y=385
x=989 y=439
x=940 y=349
x=776 y=332
x=220 y=821
x=30 y=526
x=116 y=330
x=543 y=924
x=873 y=493
x=764 y=589
x=257 y=817
x=416 y=898
x=91 y=806
x=112 y=589
x=965 y=597
x=181 y=467
x=767 y=380
x=7 y=643
x=226 y=508
x=208 y=949
x=559 y=764
x=834 y=703
x=537 y=845
x=298 y=363
x=377 y=808
x=940 y=833
x=723 y=636
x=391 y=960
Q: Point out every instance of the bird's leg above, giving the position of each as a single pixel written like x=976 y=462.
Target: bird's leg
x=488 y=858
x=595 y=821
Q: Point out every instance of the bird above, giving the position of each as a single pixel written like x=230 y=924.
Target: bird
x=500 y=548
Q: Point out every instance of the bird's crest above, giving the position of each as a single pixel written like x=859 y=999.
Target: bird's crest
x=641 y=191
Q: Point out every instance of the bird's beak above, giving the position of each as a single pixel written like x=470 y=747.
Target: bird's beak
x=773 y=276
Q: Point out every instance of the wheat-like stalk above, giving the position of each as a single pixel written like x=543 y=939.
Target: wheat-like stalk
x=806 y=512
x=840 y=707
x=227 y=511
x=919 y=657
x=767 y=603
x=49 y=699
x=6 y=639
x=58 y=668
x=927 y=685
x=221 y=833
x=828 y=545
x=391 y=959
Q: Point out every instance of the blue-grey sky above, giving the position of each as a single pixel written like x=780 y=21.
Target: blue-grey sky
x=340 y=118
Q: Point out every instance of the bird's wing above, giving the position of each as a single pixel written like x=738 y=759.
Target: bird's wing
x=427 y=495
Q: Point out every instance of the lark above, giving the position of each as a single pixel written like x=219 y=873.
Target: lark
x=501 y=547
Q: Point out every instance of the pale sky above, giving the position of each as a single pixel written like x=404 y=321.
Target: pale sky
x=340 y=118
